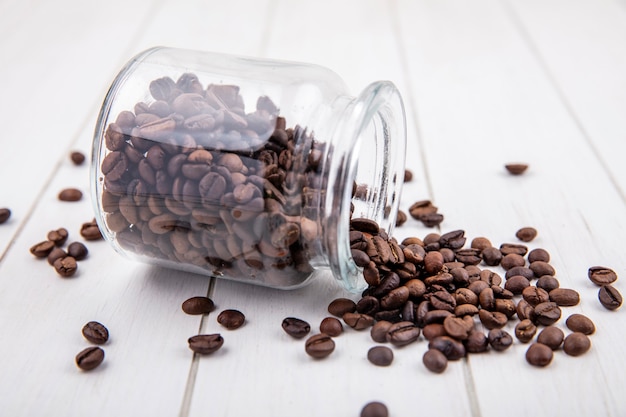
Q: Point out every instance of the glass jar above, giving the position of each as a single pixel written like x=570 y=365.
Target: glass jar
x=243 y=168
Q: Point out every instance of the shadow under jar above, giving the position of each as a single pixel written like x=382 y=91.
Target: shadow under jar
x=243 y=168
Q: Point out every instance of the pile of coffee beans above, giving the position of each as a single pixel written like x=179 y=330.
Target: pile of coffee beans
x=64 y=261
x=92 y=356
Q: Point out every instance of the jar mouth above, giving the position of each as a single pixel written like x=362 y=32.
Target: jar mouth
x=370 y=155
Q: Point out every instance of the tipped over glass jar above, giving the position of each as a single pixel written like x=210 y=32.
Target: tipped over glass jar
x=242 y=168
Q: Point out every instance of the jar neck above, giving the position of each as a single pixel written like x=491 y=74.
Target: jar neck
x=368 y=151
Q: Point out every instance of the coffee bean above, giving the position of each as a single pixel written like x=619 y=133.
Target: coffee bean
x=610 y=297
x=380 y=355
x=458 y=327
x=511 y=260
x=481 y=243
x=401 y=218
x=538 y=254
x=577 y=343
x=492 y=319
x=525 y=331
x=487 y=299
x=90 y=231
x=451 y=348
x=364 y=225
x=580 y=323
x=435 y=361
x=453 y=240
x=379 y=331
x=395 y=298
x=548 y=283
x=442 y=300
x=539 y=354
x=358 y=321
x=42 y=249
x=507 y=248
x=430 y=331
x=296 y=327
x=551 y=336
x=205 y=344
x=547 y=313
x=403 y=333
x=77 y=157
x=374 y=409
x=77 y=250
x=524 y=310
x=422 y=208
x=534 y=295
x=70 y=194
x=408 y=175
x=340 y=306
x=198 y=305
x=499 y=339
x=5 y=214
x=601 y=275
x=367 y=305
x=90 y=358
x=516 y=168
x=431 y=219
x=564 y=297
x=231 y=319
x=541 y=268
x=476 y=342
x=526 y=234
x=491 y=256
x=331 y=326
x=66 y=267
x=59 y=236
x=465 y=310
x=516 y=284
x=95 y=332
x=319 y=346
x=520 y=270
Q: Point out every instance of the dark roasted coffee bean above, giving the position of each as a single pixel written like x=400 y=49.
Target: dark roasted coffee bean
x=319 y=346
x=231 y=319
x=367 y=305
x=416 y=287
x=379 y=331
x=5 y=214
x=77 y=157
x=360 y=258
x=458 y=327
x=506 y=306
x=477 y=286
x=390 y=282
x=422 y=208
x=374 y=409
x=70 y=194
x=516 y=168
x=524 y=310
x=380 y=355
x=453 y=240
x=403 y=333
x=490 y=277
x=395 y=298
x=331 y=326
x=526 y=234
x=95 y=332
x=465 y=296
x=401 y=218
x=564 y=297
x=90 y=358
x=538 y=254
x=551 y=336
x=66 y=267
x=77 y=250
x=55 y=254
x=358 y=321
x=499 y=339
x=469 y=256
x=516 y=284
x=487 y=300
x=408 y=311
x=435 y=361
x=198 y=305
x=539 y=354
x=547 y=313
x=393 y=316
x=448 y=255
x=430 y=331
x=59 y=236
x=507 y=248
x=90 y=231
x=492 y=319
x=481 y=243
x=465 y=310
x=520 y=270
x=42 y=249
x=442 y=279
x=431 y=219
x=408 y=175
x=205 y=344
x=433 y=262
x=541 y=268
x=442 y=300
x=491 y=256
x=547 y=282
x=601 y=275
x=511 y=260
x=610 y=297
x=577 y=343
x=525 y=331
x=365 y=225
x=580 y=323
x=295 y=327
x=371 y=274
x=534 y=295
x=433 y=316
x=451 y=348
x=476 y=342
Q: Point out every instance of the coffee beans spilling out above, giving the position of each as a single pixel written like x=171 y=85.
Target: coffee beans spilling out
x=64 y=261
x=195 y=178
x=5 y=213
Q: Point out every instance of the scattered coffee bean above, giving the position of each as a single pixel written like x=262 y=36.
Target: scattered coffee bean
x=538 y=254
x=564 y=297
x=296 y=327
x=90 y=358
x=374 y=409
x=331 y=326
x=42 y=249
x=516 y=168
x=90 y=231
x=408 y=175
x=205 y=344
x=609 y=297
x=580 y=323
x=435 y=361
x=403 y=333
x=59 y=236
x=380 y=355
x=401 y=218
x=5 y=214
x=198 y=305
x=319 y=346
x=95 y=332
x=55 y=254
x=453 y=349
x=547 y=313
x=476 y=342
x=547 y=283
x=575 y=344
x=66 y=267
x=379 y=331
x=492 y=256
x=499 y=339
x=551 y=336
x=341 y=306
x=70 y=194
x=539 y=354
x=358 y=321
x=77 y=250
x=601 y=275
x=231 y=319
x=77 y=157
x=525 y=331
x=526 y=234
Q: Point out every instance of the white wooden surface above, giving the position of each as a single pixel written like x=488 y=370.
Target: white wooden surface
x=485 y=82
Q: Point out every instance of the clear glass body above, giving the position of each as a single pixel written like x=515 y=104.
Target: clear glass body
x=241 y=168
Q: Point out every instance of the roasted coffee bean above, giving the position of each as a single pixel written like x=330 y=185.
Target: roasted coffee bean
x=390 y=282
x=331 y=326
x=477 y=286
x=511 y=260
x=547 y=282
x=422 y=208
x=442 y=300
x=526 y=234
x=5 y=214
x=367 y=305
x=492 y=319
x=487 y=299
x=393 y=316
x=319 y=346
x=465 y=296
x=435 y=361
x=601 y=275
x=516 y=284
x=451 y=348
x=358 y=321
x=296 y=327
x=541 y=268
x=70 y=194
x=371 y=274
x=551 y=336
x=42 y=249
x=442 y=279
x=448 y=255
x=408 y=311
x=534 y=295
x=465 y=310
x=499 y=339
x=580 y=323
x=507 y=248
x=453 y=240
x=458 y=327
x=564 y=297
x=198 y=305
x=430 y=331
x=95 y=332
x=374 y=409
x=395 y=298
x=525 y=331
x=379 y=331
x=205 y=344
x=408 y=175
x=77 y=250
x=380 y=355
x=480 y=243
x=468 y=256
x=432 y=316
x=516 y=168
x=610 y=297
x=577 y=343
x=506 y=307
x=403 y=333
x=491 y=256
x=401 y=218
x=77 y=157
x=55 y=254
x=89 y=358
x=340 y=306
x=231 y=319
x=538 y=254
x=524 y=310
x=431 y=219
x=66 y=267
x=59 y=236
x=476 y=342
x=365 y=225
x=90 y=231
x=520 y=270
x=539 y=354
x=416 y=287
x=433 y=262
x=547 y=313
